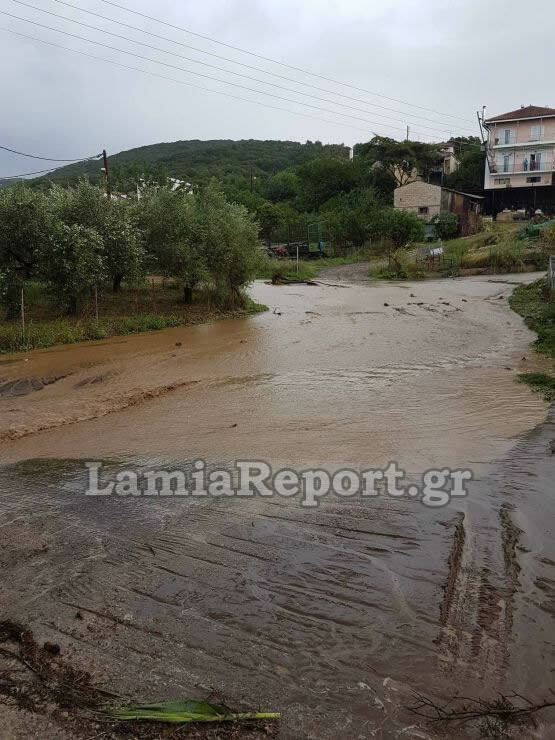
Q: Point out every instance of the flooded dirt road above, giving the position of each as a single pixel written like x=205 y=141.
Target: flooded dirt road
x=333 y=615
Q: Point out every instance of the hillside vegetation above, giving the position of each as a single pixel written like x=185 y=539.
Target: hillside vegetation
x=198 y=161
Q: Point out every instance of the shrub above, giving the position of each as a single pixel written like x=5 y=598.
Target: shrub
x=547 y=237
x=506 y=257
x=401 y=267
x=445 y=225
x=399 y=226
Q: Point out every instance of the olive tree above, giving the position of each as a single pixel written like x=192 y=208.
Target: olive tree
x=170 y=224
x=227 y=235
x=72 y=265
x=115 y=221
x=25 y=222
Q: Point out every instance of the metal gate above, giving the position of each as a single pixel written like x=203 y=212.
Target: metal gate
x=319 y=241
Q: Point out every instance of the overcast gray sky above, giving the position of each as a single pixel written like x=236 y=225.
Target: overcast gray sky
x=450 y=56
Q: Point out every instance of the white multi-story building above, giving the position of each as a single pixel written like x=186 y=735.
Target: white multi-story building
x=521 y=156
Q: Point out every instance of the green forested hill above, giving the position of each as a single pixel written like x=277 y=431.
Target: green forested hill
x=197 y=161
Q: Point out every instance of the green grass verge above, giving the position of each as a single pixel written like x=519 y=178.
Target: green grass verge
x=540 y=382
x=270 y=269
x=254 y=307
x=535 y=304
x=537 y=307
x=40 y=334
x=308 y=269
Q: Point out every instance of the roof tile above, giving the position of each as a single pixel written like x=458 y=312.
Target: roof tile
x=527 y=111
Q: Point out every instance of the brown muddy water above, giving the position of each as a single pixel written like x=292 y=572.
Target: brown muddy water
x=332 y=615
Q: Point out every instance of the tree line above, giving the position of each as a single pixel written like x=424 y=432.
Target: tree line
x=353 y=196
x=76 y=241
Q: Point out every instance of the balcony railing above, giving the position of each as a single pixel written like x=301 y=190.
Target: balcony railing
x=547 y=165
x=520 y=140
x=504 y=140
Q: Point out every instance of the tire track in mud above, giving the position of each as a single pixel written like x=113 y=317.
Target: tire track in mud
x=476 y=612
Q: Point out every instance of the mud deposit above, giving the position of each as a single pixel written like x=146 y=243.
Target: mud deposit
x=332 y=615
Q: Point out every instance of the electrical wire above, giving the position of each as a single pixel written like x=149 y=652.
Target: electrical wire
x=199 y=74
x=49 y=159
x=218 y=56
x=25 y=174
x=275 y=61
x=186 y=84
x=223 y=69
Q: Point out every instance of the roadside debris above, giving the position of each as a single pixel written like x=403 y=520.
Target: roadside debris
x=493 y=718
x=187 y=711
x=280 y=280
x=37 y=680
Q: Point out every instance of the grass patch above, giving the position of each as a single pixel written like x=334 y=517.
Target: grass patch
x=496 y=250
x=39 y=334
x=534 y=303
x=154 y=305
x=308 y=269
x=270 y=269
x=540 y=382
x=401 y=265
x=382 y=272
x=254 y=307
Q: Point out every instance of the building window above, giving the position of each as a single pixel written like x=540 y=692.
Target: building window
x=423 y=210
x=533 y=179
x=502 y=181
x=507 y=136
x=536 y=133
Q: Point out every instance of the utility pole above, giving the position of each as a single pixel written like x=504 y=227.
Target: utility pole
x=408 y=132
x=106 y=174
x=480 y=121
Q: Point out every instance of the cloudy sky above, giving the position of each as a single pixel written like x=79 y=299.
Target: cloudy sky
x=443 y=60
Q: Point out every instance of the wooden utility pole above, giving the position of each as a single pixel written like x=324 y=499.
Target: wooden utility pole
x=106 y=174
x=480 y=122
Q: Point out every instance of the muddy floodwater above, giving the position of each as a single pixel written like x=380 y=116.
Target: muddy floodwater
x=333 y=615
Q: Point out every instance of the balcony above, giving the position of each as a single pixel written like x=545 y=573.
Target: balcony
x=504 y=140
x=544 y=165
x=523 y=139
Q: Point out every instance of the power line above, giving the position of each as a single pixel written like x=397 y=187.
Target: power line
x=200 y=74
x=275 y=61
x=49 y=159
x=218 y=56
x=25 y=174
x=186 y=84
x=221 y=69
